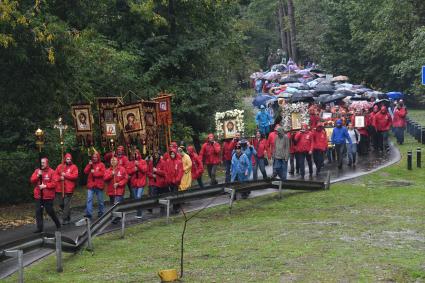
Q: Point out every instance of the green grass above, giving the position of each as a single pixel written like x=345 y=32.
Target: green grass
x=417 y=114
x=368 y=229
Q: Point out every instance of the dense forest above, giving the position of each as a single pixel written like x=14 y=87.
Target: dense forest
x=56 y=53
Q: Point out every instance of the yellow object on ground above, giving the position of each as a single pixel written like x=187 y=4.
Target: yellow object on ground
x=168 y=275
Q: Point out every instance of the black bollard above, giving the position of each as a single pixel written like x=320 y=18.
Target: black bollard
x=423 y=135
x=418 y=131
x=419 y=157
x=409 y=160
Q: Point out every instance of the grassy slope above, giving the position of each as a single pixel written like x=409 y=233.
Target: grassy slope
x=368 y=229
x=418 y=115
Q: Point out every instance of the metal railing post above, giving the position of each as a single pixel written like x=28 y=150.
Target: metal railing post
x=123 y=225
x=280 y=189
x=166 y=202
x=58 y=242
x=19 y=255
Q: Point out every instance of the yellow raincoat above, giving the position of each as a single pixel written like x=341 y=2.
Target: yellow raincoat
x=186 y=181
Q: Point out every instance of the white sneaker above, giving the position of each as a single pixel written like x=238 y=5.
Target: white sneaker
x=138 y=217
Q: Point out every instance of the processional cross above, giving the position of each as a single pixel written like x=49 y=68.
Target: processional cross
x=62 y=127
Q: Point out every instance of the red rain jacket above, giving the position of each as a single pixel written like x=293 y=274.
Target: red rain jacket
x=320 y=140
x=197 y=166
x=270 y=141
x=210 y=153
x=303 y=141
x=382 y=121
x=228 y=147
x=158 y=179
x=174 y=171
x=399 y=120
x=71 y=176
x=48 y=178
x=261 y=146
x=121 y=178
x=95 y=179
x=137 y=178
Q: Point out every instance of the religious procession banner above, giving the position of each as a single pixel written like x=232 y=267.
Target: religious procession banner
x=83 y=123
x=228 y=123
x=108 y=118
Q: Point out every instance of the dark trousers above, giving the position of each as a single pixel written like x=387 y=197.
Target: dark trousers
x=65 y=204
x=363 y=145
x=340 y=149
x=259 y=163
x=300 y=157
x=228 y=165
x=292 y=165
x=374 y=138
x=319 y=159
x=200 y=183
x=48 y=205
x=212 y=168
x=399 y=134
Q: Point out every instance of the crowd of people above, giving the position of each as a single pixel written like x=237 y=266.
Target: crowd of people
x=175 y=170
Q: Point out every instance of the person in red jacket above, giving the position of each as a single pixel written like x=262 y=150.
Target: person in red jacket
x=382 y=122
x=175 y=174
x=261 y=146
x=399 y=121
x=197 y=166
x=372 y=127
x=137 y=170
x=228 y=147
x=304 y=149
x=44 y=193
x=210 y=155
x=95 y=171
x=174 y=171
x=66 y=178
x=116 y=178
x=157 y=171
x=320 y=145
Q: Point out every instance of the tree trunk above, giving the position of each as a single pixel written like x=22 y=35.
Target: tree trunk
x=291 y=17
x=287 y=33
x=172 y=19
x=281 y=25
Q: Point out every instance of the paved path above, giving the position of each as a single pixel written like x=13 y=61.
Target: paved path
x=366 y=165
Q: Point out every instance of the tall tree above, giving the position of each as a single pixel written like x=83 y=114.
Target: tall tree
x=293 y=32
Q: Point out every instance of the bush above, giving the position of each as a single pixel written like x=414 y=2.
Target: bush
x=15 y=171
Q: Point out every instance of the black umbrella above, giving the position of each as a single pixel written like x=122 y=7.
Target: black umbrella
x=334 y=97
x=358 y=98
x=321 y=98
x=345 y=91
x=318 y=71
x=324 y=88
x=304 y=97
x=288 y=80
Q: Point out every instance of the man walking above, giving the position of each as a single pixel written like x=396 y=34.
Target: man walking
x=67 y=175
x=339 y=138
x=44 y=194
x=210 y=155
x=281 y=154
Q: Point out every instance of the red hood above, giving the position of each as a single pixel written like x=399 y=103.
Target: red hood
x=98 y=157
x=66 y=156
x=138 y=155
x=191 y=150
x=120 y=149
